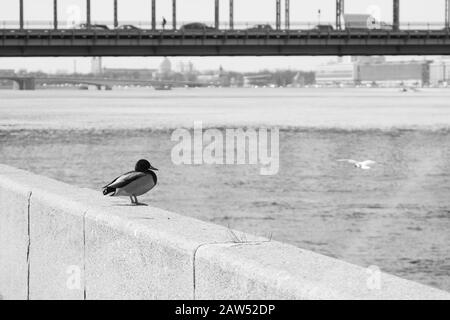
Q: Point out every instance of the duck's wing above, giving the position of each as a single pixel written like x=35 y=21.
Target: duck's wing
x=155 y=178
x=125 y=179
x=368 y=162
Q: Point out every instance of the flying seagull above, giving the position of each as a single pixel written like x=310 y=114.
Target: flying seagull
x=365 y=165
x=134 y=183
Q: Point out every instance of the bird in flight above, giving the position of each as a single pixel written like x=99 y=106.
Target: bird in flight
x=134 y=183
x=365 y=165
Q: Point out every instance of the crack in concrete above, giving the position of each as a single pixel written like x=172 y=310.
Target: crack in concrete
x=84 y=255
x=216 y=243
x=29 y=243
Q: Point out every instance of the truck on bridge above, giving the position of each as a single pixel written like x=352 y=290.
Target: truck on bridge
x=362 y=22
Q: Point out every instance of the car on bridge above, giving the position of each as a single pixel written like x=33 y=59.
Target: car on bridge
x=261 y=27
x=196 y=26
x=128 y=27
x=323 y=28
x=92 y=26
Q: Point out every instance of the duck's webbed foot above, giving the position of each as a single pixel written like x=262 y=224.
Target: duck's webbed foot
x=137 y=203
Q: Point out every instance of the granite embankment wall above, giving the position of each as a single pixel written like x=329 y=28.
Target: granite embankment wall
x=58 y=241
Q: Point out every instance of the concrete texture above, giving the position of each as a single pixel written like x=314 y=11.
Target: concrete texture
x=56 y=248
x=143 y=253
x=13 y=240
x=273 y=270
x=63 y=242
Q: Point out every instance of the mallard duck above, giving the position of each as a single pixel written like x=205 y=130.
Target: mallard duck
x=134 y=183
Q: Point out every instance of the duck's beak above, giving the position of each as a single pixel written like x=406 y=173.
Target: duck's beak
x=153 y=168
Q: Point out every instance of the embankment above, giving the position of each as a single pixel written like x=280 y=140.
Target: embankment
x=63 y=242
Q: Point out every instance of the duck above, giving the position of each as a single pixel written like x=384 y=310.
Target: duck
x=134 y=183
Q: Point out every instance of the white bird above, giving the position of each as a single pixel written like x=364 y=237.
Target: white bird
x=365 y=165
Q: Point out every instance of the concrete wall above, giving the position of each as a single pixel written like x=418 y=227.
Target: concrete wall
x=61 y=242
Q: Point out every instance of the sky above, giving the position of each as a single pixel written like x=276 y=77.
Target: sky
x=246 y=12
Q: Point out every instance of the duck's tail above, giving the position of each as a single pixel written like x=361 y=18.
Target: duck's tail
x=109 y=191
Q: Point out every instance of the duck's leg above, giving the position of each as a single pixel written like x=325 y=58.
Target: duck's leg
x=132 y=200
x=136 y=202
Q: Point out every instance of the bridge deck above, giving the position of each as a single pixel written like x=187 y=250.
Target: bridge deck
x=67 y=42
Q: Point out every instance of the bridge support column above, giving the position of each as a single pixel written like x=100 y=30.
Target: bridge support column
x=216 y=14
x=174 y=14
x=339 y=13
x=447 y=14
x=116 y=20
x=153 y=14
x=21 y=13
x=287 y=15
x=26 y=84
x=231 y=15
x=88 y=13
x=278 y=13
x=396 y=15
x=55 y=14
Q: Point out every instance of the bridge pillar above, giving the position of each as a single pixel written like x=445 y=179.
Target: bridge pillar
x=55 y=14
x=21 y=13
x=174 y=14
x=447 y=14
x=278 y=12
x=231 y=15
x=26 y=83
x=116 y=20
x=287 y=14
x=216 y=14
x=88 y=13
x=339 y=13
x=153 y=14
x=396 y=15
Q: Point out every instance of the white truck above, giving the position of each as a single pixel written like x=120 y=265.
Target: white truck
x=364 y=22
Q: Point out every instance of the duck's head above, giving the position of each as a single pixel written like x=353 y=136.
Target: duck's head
x=144 y=166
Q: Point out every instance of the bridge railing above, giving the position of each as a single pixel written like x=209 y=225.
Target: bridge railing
x=295 y=25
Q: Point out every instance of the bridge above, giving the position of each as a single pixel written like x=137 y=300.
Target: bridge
x=23 y=83
x=215 y=41
x=30 y=82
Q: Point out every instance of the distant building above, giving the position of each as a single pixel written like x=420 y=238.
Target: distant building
x=184 y=68
x=209 y=79
x=190 y=67
x=440 y=72
x=336 y=73
x=165 y=67
x=96 y=65
x=127 y=73
x=7 y=72
x=180 y=67
x=260 y=80
x=300 y=80
x=368 y=59
x=402 y=71
x=375 y=69
x=61 y=72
